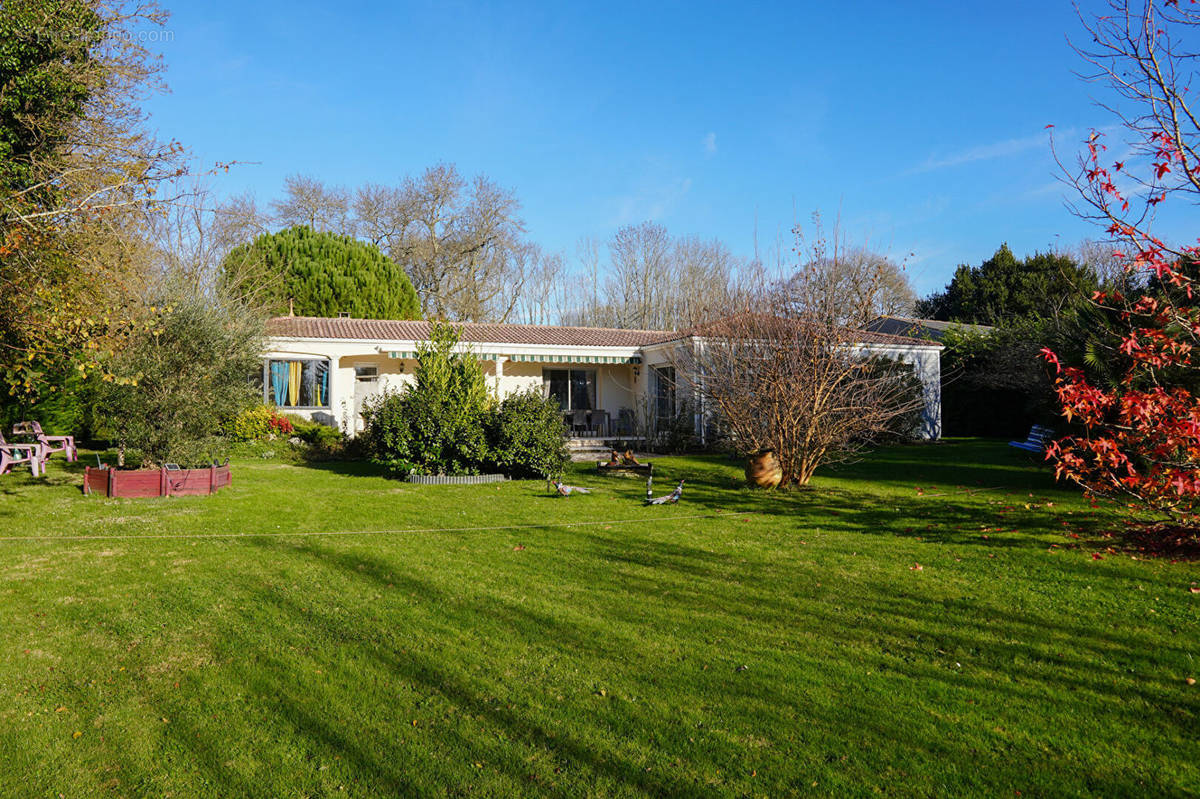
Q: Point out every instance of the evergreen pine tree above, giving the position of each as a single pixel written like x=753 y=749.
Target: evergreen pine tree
x=321 y=274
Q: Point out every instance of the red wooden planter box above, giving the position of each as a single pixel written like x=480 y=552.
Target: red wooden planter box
x=155 y=482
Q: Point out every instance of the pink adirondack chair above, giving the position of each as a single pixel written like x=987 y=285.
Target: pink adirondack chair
x=13 y=454
x=50 y=444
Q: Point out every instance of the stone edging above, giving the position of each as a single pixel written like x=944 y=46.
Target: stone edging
x=465 y=479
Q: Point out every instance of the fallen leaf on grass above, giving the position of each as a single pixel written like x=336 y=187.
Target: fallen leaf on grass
x=1097 y=556
x=518 y=547
x=916 y=567
x=77 y=734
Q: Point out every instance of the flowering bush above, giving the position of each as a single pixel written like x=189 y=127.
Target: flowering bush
x=280 y=425
x=259 y=423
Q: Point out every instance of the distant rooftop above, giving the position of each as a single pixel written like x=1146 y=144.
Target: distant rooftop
x=927 y=329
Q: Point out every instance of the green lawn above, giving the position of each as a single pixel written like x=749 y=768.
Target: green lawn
x=738 y=644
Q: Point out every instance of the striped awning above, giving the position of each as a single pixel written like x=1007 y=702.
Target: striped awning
x=575 y=358
x=482 y=356
x=491 y=356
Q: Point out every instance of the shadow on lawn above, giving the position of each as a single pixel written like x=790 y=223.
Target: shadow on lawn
x=824 y=650
x=821 y=663
x=440 y=677
x=976 y=501
x=59 y=473
x=1013 y=659
x=970 y=464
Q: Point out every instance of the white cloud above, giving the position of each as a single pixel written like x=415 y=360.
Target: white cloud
x=710 y=145
x=651 y=201
x=987 y=152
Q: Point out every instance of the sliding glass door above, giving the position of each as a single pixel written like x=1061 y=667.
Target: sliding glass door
x=575 y=389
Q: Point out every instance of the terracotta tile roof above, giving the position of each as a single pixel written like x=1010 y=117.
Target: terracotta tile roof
x=389 y=330
x=727 y=324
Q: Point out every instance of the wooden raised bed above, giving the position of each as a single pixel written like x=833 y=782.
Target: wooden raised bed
x=155 y=482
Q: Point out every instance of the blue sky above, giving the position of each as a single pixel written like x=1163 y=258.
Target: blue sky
x=921 y=124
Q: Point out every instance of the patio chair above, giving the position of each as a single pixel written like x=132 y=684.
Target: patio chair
x=1039 y=437
x=579 y=421
x=599 y=422
x=12 y=454
x=50 y=444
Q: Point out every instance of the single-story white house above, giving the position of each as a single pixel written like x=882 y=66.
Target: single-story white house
x=611 y=383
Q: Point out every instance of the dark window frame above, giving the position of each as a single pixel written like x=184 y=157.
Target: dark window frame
x=567 y=381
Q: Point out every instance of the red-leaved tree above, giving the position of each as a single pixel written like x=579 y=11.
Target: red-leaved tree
x=1140 y=436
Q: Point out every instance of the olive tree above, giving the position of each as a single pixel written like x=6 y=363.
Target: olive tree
x=171 y=390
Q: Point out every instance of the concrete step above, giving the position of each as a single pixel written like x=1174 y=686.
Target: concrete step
x=607 y=441
x=585 y=443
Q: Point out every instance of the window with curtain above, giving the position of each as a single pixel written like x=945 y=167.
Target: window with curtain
x=575 y=389
x=298 y=383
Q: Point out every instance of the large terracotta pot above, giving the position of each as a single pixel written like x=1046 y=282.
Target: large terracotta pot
x=763 y=470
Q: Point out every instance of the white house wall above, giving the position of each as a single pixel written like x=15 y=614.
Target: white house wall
x=925 y=360
x=927 y=367
x=618 y=385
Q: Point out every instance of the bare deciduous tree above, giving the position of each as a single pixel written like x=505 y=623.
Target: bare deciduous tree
x=804 y=389
x=308 y=201
x=656 y=281
x=189 y=238
x=1106 y=260
x=382 y=213
x=544 y=278
x=843 y=285
x=461 y=242
x=792 y=374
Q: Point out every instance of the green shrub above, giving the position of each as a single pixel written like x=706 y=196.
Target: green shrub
x=60 y=406
x=262 y=422
x=178 y=382
x=398 y=467
x=995 y=384
x=527 y=436
x=252 y=424
x=446 y=422
x=436 y=423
